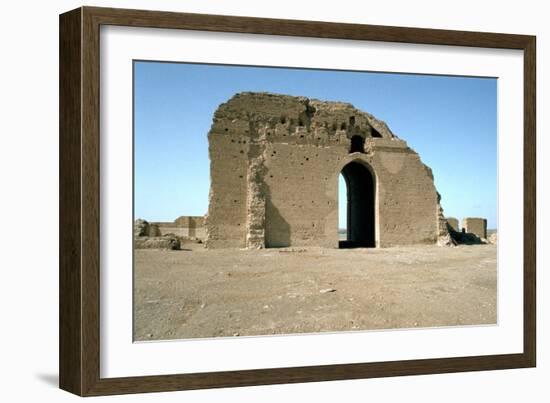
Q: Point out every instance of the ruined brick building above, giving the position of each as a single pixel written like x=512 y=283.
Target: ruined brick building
x=275 y=162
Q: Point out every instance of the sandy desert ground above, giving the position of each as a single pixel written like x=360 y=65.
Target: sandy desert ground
x=210 y=293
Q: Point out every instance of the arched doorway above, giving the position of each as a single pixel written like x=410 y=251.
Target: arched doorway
x=360 y=206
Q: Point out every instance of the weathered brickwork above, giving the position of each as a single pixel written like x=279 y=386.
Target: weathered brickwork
x=275 y=162
x=453 y=222
x=184 y=226
x=476 y=226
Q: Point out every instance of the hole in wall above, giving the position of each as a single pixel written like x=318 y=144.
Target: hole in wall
x=357 y=144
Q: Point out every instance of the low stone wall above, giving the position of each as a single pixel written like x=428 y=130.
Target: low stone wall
x=184 y=226
x=167 y=242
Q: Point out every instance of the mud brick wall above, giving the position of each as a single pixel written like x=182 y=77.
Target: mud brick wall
x=184 y=226
x=476 y=226
x=275 y=162
x=453 y=222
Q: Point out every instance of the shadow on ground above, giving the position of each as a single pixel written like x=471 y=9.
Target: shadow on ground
x=49 y=379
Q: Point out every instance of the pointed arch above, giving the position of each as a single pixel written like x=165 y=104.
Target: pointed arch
x=361 y=205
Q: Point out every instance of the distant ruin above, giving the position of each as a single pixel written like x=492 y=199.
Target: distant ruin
x=476 y=226
x=168 y=235
x=185 y=226
x=274 y=167
x=473 y=231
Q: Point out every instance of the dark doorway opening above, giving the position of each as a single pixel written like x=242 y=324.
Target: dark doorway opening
x=360 y=192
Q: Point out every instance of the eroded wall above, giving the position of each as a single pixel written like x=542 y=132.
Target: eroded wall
x=184 y=226
x=275 y=161
x=453 y=222
x=476 y=226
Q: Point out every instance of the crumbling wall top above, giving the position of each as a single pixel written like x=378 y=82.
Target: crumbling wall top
x=295 y=115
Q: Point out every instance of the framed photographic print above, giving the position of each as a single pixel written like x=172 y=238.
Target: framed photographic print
x=248 y=201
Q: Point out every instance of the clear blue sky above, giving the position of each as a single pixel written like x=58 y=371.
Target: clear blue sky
x=450 y=121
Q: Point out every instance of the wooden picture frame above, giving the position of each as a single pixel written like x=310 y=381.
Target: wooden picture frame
x=79 y=346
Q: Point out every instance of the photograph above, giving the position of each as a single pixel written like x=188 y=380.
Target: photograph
x=280 y=201
x=280 y=198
